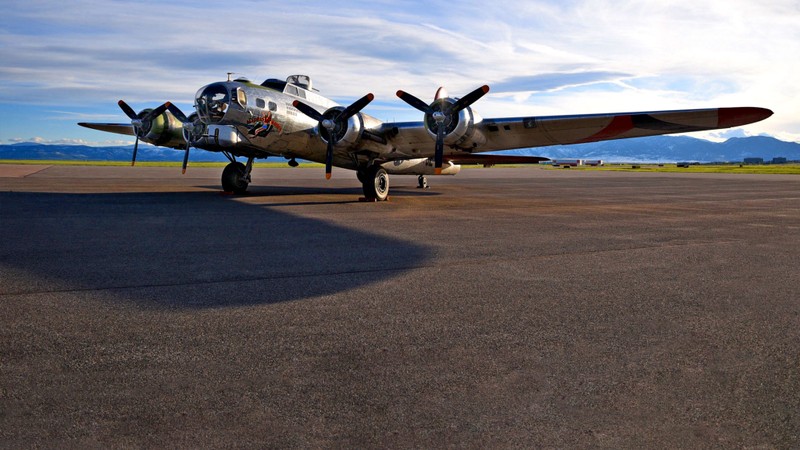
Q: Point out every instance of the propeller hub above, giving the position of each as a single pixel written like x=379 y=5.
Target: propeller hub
x=439 y=116
x=329 y=124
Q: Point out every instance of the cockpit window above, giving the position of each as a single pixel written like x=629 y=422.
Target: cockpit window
x=240 y=97
x=212 y=102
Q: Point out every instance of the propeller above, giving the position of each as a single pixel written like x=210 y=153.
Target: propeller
x=141 y=122
x=443 y=114
x=334 y=121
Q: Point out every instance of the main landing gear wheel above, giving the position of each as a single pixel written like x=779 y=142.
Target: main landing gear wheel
x=234 y=178
x=375 y=183
x=423 y=182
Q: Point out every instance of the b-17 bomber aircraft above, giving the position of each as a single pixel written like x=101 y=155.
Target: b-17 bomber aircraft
x=291 y=119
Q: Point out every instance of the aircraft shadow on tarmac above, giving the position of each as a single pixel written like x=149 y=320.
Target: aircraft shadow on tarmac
x=186 y=250
x=344 y=195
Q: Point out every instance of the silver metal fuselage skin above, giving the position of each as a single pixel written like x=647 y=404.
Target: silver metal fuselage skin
x=259 y=121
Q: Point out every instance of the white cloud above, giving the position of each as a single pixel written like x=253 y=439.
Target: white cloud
x=673 y=53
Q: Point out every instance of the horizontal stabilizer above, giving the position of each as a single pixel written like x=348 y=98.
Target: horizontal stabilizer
x=495 y=159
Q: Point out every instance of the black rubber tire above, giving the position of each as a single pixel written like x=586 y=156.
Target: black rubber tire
x=233 y=178
x=376 y=184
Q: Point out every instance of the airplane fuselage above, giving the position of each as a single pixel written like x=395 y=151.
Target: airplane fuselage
x=246 y=119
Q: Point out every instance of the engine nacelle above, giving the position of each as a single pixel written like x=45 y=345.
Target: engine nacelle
x=196 y=131
x=345 y=135
x=164 y=130
x=460 y=130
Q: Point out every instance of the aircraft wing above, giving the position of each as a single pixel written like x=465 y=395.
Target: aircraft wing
x=118 y=128
x=525 y=132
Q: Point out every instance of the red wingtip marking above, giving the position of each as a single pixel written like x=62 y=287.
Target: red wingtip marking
x=734 y=117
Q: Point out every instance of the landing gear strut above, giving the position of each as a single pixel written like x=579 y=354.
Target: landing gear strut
x=236 y=176
x=375 y=182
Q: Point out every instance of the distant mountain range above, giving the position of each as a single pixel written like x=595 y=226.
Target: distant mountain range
x=672 y=149
x=35 y=151
x=650 y=149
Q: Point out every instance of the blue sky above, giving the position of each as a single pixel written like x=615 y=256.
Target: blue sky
x=70 y=62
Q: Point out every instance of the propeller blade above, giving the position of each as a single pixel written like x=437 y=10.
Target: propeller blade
x=470 y=98
x=355 y=107
x=307 y=110
x=177 y=112
x=127 y=110
x=185 y=159
x=414 y=102
x=438 y=155
x=329 y=160
x=157 y=111
x=135 y=150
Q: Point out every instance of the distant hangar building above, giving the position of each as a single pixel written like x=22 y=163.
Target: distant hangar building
x=578 y=162
x=568 y=162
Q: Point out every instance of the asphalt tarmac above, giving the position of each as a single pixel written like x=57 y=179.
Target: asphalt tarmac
x=500 y=308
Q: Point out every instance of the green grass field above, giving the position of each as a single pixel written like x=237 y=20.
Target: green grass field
x=783 y=169
x=146 y=163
